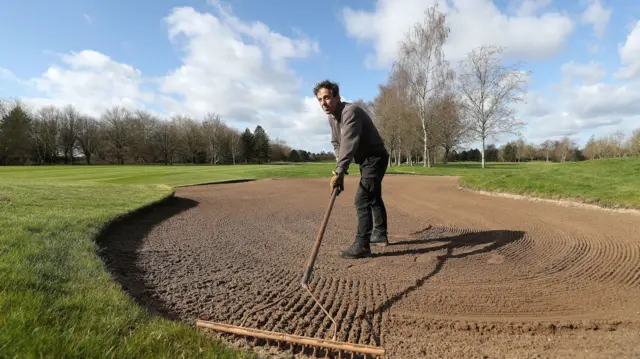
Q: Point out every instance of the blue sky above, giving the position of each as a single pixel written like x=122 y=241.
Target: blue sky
x=571 y=47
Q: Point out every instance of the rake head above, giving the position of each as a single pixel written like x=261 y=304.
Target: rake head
x=314 y=343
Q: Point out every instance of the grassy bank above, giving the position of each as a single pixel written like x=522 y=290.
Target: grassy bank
x=56 y=300
x=613 y=183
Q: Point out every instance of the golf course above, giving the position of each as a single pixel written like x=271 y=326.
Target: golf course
x=64 y=292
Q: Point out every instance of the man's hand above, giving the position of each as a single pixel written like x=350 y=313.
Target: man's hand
x=337 y=181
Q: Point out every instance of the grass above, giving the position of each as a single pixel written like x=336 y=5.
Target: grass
x=612 y=183
x=56 y=299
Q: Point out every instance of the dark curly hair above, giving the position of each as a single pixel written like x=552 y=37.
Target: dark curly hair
x=326 y=84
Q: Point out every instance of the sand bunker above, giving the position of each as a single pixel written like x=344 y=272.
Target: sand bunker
x=467 y=275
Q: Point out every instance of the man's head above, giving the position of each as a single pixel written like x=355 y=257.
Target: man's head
x=328 y=95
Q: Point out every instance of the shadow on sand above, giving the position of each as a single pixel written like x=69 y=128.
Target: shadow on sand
x=489 y=240
x=119 y=244
x=120 y=241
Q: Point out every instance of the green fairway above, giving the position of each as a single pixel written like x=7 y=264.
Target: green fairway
x=56 y=299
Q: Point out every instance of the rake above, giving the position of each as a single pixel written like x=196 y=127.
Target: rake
x=297 y=339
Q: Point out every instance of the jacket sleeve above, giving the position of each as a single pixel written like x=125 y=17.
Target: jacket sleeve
x=334 y=138
x=350 y=139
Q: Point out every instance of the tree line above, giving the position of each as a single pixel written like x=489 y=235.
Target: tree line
x=53 y=135
x=425 y=110
x=565 y=149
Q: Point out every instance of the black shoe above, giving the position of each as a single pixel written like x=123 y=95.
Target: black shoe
x=356 y=250
x=379 y=239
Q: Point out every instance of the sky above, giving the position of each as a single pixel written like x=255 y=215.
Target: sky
x=255 y=62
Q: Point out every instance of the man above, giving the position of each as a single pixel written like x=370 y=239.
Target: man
x=355 y=138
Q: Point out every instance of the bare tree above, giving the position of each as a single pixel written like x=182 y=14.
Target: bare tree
x=395 y=117
x=191 y=136
x=235 y=144
x=387 y=118
x=167 y=140
x=213 y=131
x=142 y=146
x=634 y=143
x=520 y=148
x=450 y=123
x=87 y=136
x=547 y=148
x=69 y=132
x=116 y=131
x=45 y=132
x=422 y=59
x=530 y=151
x=616 y=141
x=564 y=147
x=487 y=89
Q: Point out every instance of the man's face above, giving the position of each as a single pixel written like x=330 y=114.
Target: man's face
x=327 y=101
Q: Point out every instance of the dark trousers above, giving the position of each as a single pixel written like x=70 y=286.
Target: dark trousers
x=370 y=208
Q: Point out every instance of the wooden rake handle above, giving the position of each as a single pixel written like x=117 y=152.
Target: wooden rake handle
x=318 y=240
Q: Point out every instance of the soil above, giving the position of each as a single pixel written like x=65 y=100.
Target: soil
x=465 y=275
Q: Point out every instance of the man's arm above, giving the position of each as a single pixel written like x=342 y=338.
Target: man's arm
x=350 y=140
x=334 y=138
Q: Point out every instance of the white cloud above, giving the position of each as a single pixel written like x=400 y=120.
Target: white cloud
x=92 y=81
x=472 y=23
x=597 y=100
x=240 y=71
x=582 y=110
x=588 y=73
x=590 y=106
x=630 y=55
x=6 y=75
x=531 y=7
x=237 y=69
x=598 y=16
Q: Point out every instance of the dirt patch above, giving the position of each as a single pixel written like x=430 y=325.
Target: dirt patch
x=466 y=276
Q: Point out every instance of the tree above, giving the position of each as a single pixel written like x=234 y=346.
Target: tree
x=235 y=145
x=564 y=149
x=547 y=148
x=634 y=143
x=491 y=153
x=261 y=144
x=214 y=130
x=87 y=136
x=530 y=151
x=293 y=156
x=69 y=132
x=117 y=132
x=279 y=151
x=510 y=153
x=422 y=59
x=15 y=135
x=167 y=140
x=247 y=145
x=393 y=113
x=143 y=146
x=450 y=125
x=191 y=137
x=45 y=132
x=487 y=89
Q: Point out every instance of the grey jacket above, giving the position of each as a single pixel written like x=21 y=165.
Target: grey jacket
x=354 y=136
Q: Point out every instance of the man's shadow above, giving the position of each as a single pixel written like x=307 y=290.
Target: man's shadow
x=487 y=241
